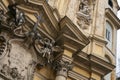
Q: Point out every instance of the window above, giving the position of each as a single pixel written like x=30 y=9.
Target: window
x=110 y=3
x=109 y=33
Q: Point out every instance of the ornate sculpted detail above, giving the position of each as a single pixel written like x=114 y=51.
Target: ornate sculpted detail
x=20 y=18
x=60 y=64
x=46 y=48
x=2 y=16
x=4 y=47
x=13 y=19
x=12 y=73
x=32 y=69
x=62 y=67
x=84 y=7
x=33 y=35
x=5 y=69
x=84 y=16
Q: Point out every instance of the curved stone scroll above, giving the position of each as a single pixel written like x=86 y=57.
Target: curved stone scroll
x=4 y=47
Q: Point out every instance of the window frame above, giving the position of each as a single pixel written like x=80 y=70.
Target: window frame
x=109 y=34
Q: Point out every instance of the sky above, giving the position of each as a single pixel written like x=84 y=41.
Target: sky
x=118 y=44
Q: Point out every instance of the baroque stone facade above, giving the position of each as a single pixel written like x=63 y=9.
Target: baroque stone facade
x=56 y=40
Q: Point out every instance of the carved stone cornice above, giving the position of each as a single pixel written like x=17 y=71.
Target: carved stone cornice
x=76 y=76
x=97 y=38
x=100 y=66
x=93 y=63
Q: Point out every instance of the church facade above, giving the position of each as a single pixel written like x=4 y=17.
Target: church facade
x=58 y=39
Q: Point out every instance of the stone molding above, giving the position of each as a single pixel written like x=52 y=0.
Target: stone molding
x=110 y=14
x=76 y=76
x=93 y=63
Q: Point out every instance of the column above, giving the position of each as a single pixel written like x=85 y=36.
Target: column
x=62 y=74
x=62 y=67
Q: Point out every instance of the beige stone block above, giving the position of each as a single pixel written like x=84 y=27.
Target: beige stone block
x=81 y=71
x=36 y=78
x=98 y=49
x=68 y=53
x=95 y=76
x=5 y=2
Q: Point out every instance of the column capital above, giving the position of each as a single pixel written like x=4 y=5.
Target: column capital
x=63 y=65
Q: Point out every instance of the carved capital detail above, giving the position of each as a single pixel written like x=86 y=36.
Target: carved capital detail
x=62 y=67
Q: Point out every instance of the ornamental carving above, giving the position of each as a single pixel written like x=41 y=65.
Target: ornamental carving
x=11 y=73
x=46 y=48
x=34 y=39
x=84 y=7
x=13 y=18
x=15 y=21
x=18 y=61
x=83 y=15
x=4 y=47
x=61 y=63
x=62 y=67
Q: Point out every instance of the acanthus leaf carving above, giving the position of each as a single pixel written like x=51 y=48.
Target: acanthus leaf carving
x=62 y=67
